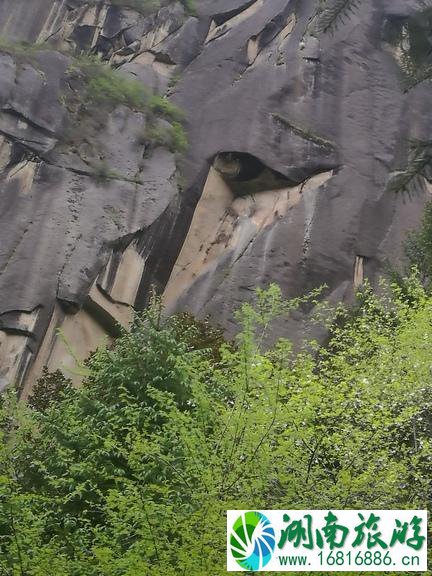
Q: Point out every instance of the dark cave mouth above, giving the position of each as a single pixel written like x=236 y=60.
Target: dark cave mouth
x=246 y=174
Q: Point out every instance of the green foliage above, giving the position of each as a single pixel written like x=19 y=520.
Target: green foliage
x=49 y=388
x=20 y=49
x=202 y=334
x=172 y=136
x=132 y=474
x=419 y=168
x=418 y=246
x=415 y=47
x=101 y=90
x=162 y=107
x=190 y=6
x=97 y=89
x=102 y=173
x=332 y=13
x=106 y=87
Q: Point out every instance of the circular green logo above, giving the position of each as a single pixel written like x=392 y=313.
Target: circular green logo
x=252 y=540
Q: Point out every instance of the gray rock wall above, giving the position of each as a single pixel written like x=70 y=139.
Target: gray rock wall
x=295 y=131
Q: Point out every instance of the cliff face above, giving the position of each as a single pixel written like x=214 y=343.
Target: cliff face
x=296 y=125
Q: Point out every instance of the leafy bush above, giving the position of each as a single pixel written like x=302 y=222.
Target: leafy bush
x=190 y=6
x=132 y=474
x=163 y=107
x=415 y=46
x=101 y=90
x=48 y=389
x=171 y=136
x=20 y=49
x=98 y=90
x=106 y=87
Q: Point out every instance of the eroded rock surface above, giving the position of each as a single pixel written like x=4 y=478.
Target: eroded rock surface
x=294 y=131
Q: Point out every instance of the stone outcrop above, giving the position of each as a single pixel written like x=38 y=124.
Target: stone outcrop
x=296 y=127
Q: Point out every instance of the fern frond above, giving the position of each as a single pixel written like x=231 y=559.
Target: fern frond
x=418 y=170
x=334 y=12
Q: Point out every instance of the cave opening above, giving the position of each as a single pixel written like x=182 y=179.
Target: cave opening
x=246 y=174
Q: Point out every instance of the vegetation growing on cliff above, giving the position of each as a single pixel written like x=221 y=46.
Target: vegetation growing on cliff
x=100 y=89
x=133 y=473
x=331 y=13
x=20 y=49
x=145 y=7
x=417 y=171
x=97 y=90
x=171 y=136
x=415 y=46
x=418 y=246
x=103 y=88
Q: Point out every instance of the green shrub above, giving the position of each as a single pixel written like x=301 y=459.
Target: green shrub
x=172 y=136
x=102 y=90
x=164 y=108
x=179 y=138
x=102 y=172
x=190 y=6
x=106 y=87
x=23 y=49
